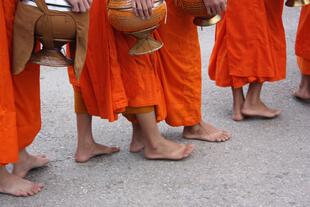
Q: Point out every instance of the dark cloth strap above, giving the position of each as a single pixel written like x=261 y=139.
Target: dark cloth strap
x=48 y=36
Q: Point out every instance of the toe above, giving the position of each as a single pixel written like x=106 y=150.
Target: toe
x=227 y=137
x=40 y=185
x=22 y=194
x=31 y=193
x=188 y=150
x=115 y=149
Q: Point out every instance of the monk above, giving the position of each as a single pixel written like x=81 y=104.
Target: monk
x=303 y=54
x=99 y=91
x=180 y=75
x=249 y=50
x=138 y=94
x=20 y=120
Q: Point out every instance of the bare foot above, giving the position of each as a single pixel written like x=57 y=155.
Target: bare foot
x=259 y=110
x=14 y=185
x=205 y=132
x=168 y=150
x=86 y=152
x=136 y=144
x=28 y=162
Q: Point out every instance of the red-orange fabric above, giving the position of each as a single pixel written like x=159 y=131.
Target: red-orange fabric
x=20 y=121
x=180 y=71
x=27 y=103
x=304 y=65
x=111 y=79
x=140 y=76
x=250 y=44
x=303 y=41
x=8 y=133
x=101 y=83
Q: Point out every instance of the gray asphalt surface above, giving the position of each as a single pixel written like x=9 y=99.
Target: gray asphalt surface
x=267 y=163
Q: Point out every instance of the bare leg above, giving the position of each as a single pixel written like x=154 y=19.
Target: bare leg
x=205 y=132
x=303 y=91
x=87 y=148
x=14 y=185
x=253 y=105
x=155 y=145
x=28 y=162
x=238 y=101
x=136 y=144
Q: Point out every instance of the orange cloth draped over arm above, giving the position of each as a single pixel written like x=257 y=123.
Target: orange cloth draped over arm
x=180 y=71
x=8 y=133
x=303 y=41
x=101 y=83
x=250 y=44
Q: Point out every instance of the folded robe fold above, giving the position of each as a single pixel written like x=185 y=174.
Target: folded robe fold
x=250 y=44
x=180 y=67
x=302 y=48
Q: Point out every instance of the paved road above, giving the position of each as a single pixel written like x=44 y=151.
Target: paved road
x=267 y=163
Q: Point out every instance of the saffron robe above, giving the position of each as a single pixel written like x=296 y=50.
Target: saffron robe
x=140 y=77
x=112 y=79
x=100 y=85
x=180 y=71
x=250 y=44
x=20 y=120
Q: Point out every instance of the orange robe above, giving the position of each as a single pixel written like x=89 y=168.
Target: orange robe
x=8 y=132
x=140 y=77
x=111 y=79
x=100 y=84
x=180 y=70
x=250 y=44
x=20 y=124
x=303 y=41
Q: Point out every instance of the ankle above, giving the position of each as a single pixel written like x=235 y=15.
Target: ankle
x=193 y=129
x=154 y=143
x=249 y=102
x=23 y=157
x=85 y=145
